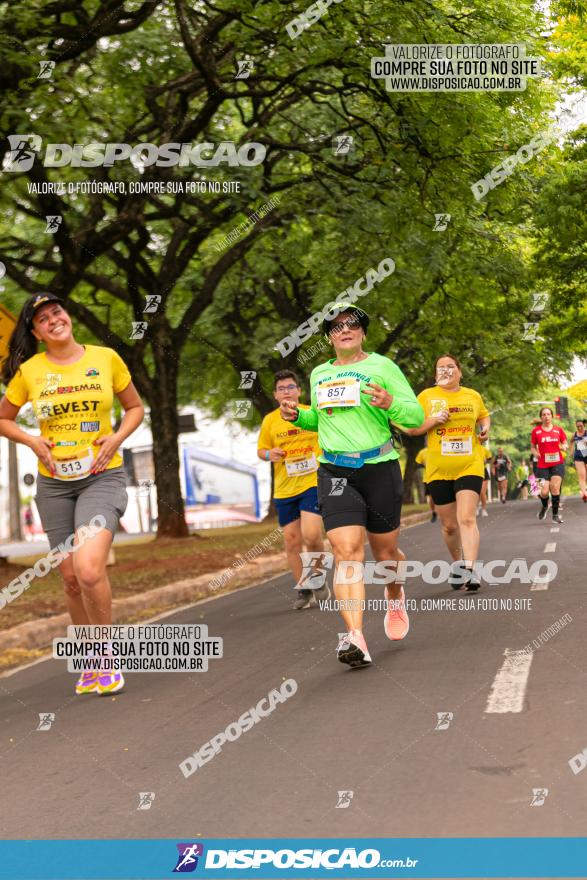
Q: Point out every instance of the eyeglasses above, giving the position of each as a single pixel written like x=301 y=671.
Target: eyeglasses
x=286 y=387
x=349 y=324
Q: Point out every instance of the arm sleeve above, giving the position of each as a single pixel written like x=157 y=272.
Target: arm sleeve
x=405 y=409
x=307 y=419
x=121 y=377
x=265 y=440
x=16 y=391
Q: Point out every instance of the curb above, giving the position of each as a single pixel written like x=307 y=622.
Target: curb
x=38 y=634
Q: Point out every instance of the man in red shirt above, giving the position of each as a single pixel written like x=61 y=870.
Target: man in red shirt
x=548 y=443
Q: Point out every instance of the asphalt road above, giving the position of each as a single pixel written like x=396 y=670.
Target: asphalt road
x=371 y=732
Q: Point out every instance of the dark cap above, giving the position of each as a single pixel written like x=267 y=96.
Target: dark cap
x=36 y=302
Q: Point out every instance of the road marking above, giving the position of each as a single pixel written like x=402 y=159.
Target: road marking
x=509 y=686
x=550 y=548
x=539 y=585
x=557 y=529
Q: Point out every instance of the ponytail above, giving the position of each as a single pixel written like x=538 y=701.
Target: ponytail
x=21 y=346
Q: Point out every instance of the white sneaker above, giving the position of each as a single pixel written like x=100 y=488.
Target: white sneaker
x=484 y=513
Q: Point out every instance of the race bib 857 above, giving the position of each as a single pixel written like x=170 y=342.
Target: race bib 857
x=339 y=392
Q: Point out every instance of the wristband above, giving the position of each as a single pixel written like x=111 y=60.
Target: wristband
x=267 y=455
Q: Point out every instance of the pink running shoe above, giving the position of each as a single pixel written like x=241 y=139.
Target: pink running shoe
x=397 y=622
x=352 y=649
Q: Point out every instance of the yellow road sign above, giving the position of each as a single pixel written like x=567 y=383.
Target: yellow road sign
x=7 y=324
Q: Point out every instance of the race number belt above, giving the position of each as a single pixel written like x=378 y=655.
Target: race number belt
x=296 y=467
x=339 y=392
x=75 y=468
x=356 y=459
x=462 y=446
x=552 y=457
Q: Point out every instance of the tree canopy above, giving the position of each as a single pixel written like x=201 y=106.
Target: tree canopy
x=235 y=278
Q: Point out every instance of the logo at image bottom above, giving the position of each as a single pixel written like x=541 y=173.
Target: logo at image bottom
x=187 y=860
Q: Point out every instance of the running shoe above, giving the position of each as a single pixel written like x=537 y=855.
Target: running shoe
x=484 y=512
x=87 y=683
x=306 y=599
x=323 y=594
x=456 y=578
x=352 y=649
x=473 y=583
x=585 y=497
x=434 y=516
x=557 y=518
x=396 y=623
x=542 y=513
x=110 y=682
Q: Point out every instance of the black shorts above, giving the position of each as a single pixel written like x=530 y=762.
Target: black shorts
x=445 y=491
x=545 y=473
x=370 y=496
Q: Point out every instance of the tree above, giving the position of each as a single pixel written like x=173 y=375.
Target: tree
x=227 y=296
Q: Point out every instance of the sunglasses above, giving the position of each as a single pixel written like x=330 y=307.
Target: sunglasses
x=349 y=324
x=441 y=370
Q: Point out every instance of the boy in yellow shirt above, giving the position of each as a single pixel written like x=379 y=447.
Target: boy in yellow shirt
x=294 y=454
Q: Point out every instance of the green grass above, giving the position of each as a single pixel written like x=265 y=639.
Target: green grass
x=140 y=566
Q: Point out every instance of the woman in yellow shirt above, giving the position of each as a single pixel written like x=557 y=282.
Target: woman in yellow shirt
x=81 y=486
x=455 y=463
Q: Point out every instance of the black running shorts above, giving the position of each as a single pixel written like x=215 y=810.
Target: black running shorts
x=545 y=473
x=370 y=496
x=445 y=491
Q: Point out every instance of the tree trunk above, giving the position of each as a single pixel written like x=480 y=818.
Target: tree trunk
x=164 y=427
x=165 y=430
x=14 y=494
